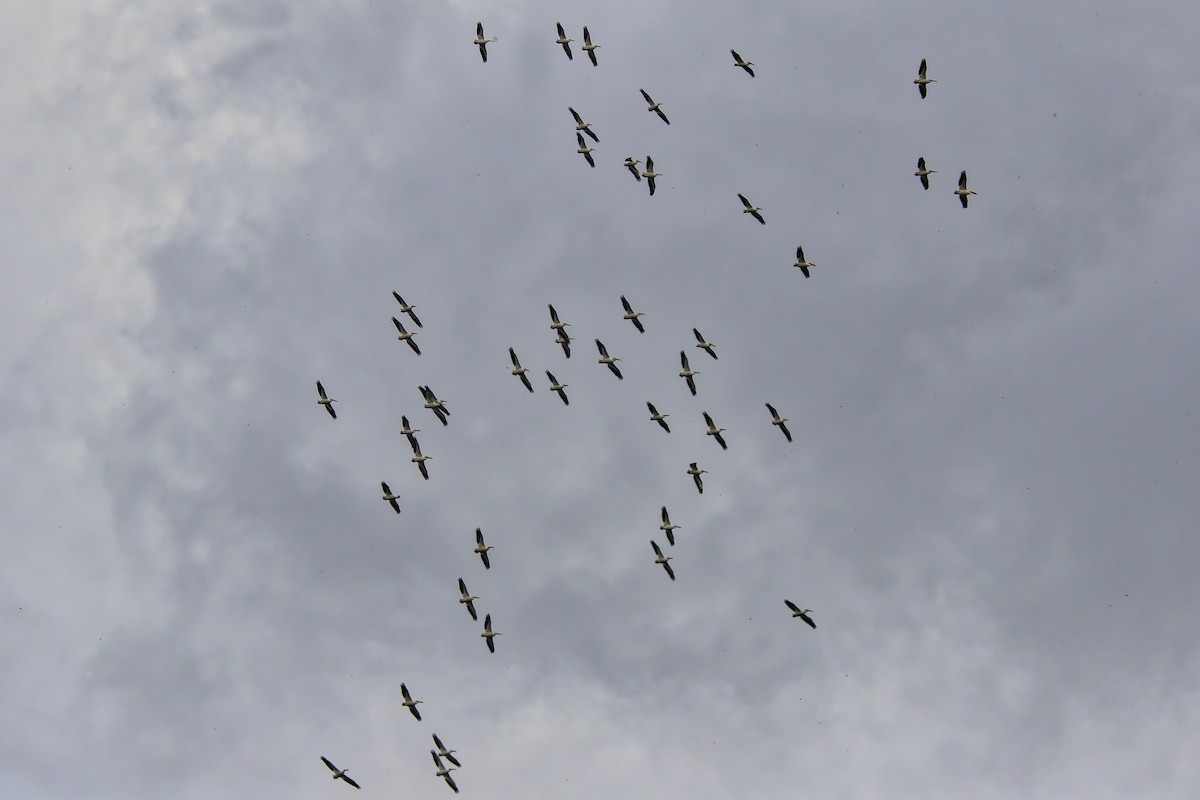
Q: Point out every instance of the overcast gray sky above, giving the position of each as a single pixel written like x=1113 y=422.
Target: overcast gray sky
x=992 y=498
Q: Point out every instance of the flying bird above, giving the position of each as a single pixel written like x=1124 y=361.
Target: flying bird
x=324 y=400
x=555 y=323
x=611 y=361
x=921 y=81
x=588 y=47
x=661 y=419
x=923 y=173
x=555 y=386
x=780 y=421
x=409 y=703
x=482 y=549
x=962 y=191
x=488 y=633
x=518 y=370
x=444 y=753
x=435 y=405
x=688 y=373
x=443 y=771
x=584 y=150
x=752 y=210
x=406 y=336
x=420 y=460
x=564 y=40
x=801 y=613
x=659 y=558
x=467 y=599
x=405 y=308
x=565 y=341
x=696 y=472
x=340 y=773
x=714 y=431
x=632 y=315
x=580 y=125
x=483 y=43
x=706 y=346
x=390 y=497
x=668 y=527
x=801 y=263
x=655 y=107
x=738 y=61
x=649 y=174
x=631 y=165
x=409 y=432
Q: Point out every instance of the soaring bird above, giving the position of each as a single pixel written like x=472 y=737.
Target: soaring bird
x=921 y=81
x=632 y=315
x=481 y=41
x=555 y=386
x=444 y=753
x=390 y=497
x=555 y=323
x=802 y=613
x=467 y=599
x=409 y=703
x=588 y=47
x=659 y=558
x=405 y=308
x=801 y=263
x=655 y=107
x=443 y=771
x=518 y=370
x=661 y=419
x=751 y=209
x=704 y=345
x=668 y=527
x=688 y=373
x=631 y=165
x=580 y=125
x=340 y=773
x=696 y=472
x=327 y=401
x=738 y=61
x=923 y=173
x=409 y=432
x=488 y=633
x=714 y=431
x=962 y=191
x=420 y=460
x=564 y=40
x=565 y=341
x=611 y=361
x=649 y=174
x=780 y=421
x=406 y=336
x=584 y=150
x=482 y=549
x=438 y=407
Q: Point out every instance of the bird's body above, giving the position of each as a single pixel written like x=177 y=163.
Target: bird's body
x=738 y=61
x=488 y=633
x=655 y=416
x=444 y=753
x=655 y=107
x=482 y=42
x=467 y=599
x=390 y=497
x=751 y=209
x=443 y=771
x=409 y=703
x=583 y=127
x=962 y=191
x=668 y=527
x=588 y=47
x=406 y=336
x=696 y=472
x=649 y=174
x=564 y=40
x=659 y=558
x=801 y=262
x=779 y=421
x=802 y=613
x=518 y=370
x=688 y=373
x=584 y=150
x=714 y=431
x=340 y=773
x=555 y=386
x=325 y=400
x=921 y=80
x=704 y=344
x=406 y=308
x=632 y=315
x=482 y=549
x=631 y=164
x=923 y=173
x=610 y=361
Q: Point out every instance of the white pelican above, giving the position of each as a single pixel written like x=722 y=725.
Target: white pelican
x=923 y=173
x=420 y=460
x=444 y=753
x=738 y=61
x=438 y=407
x=518 y=370
x=661 y=419
x=555 y=323
x=962 y=191
x=632 y=315
x=390 y=497
x=580 y=125
x=696 y=472
x=555 y=386
x=325 y=400
x=443 y=771
x=482 y=42
x=659 y=558
x=668 y=527
x=406 y=336
x=707 y=347
x=714 y=431
x=655 y=107
x=751 y=209
x=631 y=165
x=488 y=633
x=802 y=613
x=780 y=421
x=688 y=373
x=589 y=47
x=611 y=361
x=467 y=599
x=584 y=150
x=649 y=174
x=409 y=703
x=921 y=81
x=409 y=432
x=801 y=262
x=482 y=549
x=565 y=341
x=405 y=308
x=564 y=40
x=340 y=773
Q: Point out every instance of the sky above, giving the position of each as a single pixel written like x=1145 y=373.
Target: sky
x=990 y=503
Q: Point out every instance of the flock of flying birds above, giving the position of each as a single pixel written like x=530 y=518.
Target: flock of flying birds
x=441 y=754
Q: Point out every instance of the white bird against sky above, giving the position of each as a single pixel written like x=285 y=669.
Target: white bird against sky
x=655 y=107
x=564 y=341
x=714 y=431
x=444 y=753
x=655 y=416
x=325 y=400
x=409 y=432
x=802 y=263
x=632 y=315
x=588 y=47
x=751 y=209
x=390 y=497
x=482 y=41
x=631 y=164
x=443 y=771
x=668 y=527
x=802 y=613
x=923 y=173
x=584 y=127
x=704 y=344
x=438 y=407
x=518 y=370
x=611 y=361
x=406 y=308
x=406 y=336
x=564 y=40
x=489 y=634
x=467 y=599
x=921 y=80
x=649 y=174
x=779 y=421
x=409 y=703
x=340 y=773
x=482 y=549
x=696 y=472
x=584 y=150
x=419 y=459
x=738 y=61
x=962 y=191
x=555 y=386
x=688 y=373
x=659 y=558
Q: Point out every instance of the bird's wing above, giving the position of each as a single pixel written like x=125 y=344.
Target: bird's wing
x=487 y=563
x=479 y=29
x=487 y=624
x=649 y=164
x=662 y=116
x=800 y=253
x=683 y=360
x=637 y=323
x=575 y=114
x=415 y=712
x=666 y=517
x=453 y=760
x=561 y=32
x=670 y=571
x=470 y=604
x=809 y=620
x=745 y=202
x=592 y=55
x=699 y=336
x=925 y=181
x=603 y=350
x=449 y=779
x=921 y=163
x=384 y=485
x=774 y=413
x=399 y=299
x=786 y=432
x=462 y=587
x=329 y=763
x=321 y=391
x=395 y=505
x=333 y=413
x=721 y=441
x=550 y=375
x=525 y=380
x=650 y=406
x=961 y=197
x=651 y=184
x=708 y=419
x=579 y=138
x=399 y=325
x=413 y=316
x=962 y=180
x=736 y=57
x=416 y=348
x=479 y=537
x=513 y=355
x=670 y=537
x=758 y=217
x=438 y=742
x=691 y=385
x=657 y=549
x=350 y=781
x=588 y=130
x=424 y=470
x=625 y=304
x=437 y=760
x=647 y=96
x=483 y=52
x=553 y=313
x=616 y=371
x=404 y=692
x=795 y=608
x=921 y=70
x=804 y=270
x=587 y=37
